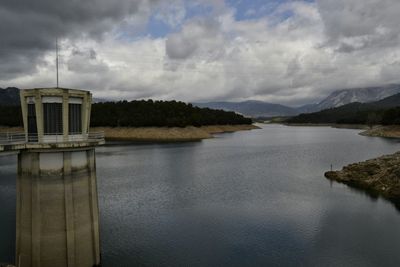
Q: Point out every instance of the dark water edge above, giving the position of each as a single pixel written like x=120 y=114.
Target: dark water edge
x=255 y=198
x=370 y=192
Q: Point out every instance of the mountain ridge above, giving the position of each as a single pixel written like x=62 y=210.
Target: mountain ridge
x=336 y=99
x=362 y=95
x=252 y=108
x=384 y=111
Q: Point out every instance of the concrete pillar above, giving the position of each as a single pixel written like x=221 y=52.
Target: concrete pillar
x=39 y=116
x=86 y=109
x=57 y=209
x=24 y=111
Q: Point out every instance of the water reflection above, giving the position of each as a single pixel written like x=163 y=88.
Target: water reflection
x=8 y=172
x=254 y=198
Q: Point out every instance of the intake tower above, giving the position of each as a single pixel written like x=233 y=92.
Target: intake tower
x=57 y=222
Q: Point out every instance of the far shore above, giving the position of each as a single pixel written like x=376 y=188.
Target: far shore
x=334 y=125
x=159 y=134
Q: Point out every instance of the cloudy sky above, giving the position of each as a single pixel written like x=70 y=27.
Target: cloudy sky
x=280 y=51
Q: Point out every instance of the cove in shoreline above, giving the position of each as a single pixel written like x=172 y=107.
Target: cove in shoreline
x=379 y=177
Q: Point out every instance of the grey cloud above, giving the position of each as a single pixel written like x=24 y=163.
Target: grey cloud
x=360 y=24
x=86 y=62
x=390 y=72
x=12 y=64
x=29 y=28
x=325 y=46
x=294 y=66
x=201 y=35
x=179 y=47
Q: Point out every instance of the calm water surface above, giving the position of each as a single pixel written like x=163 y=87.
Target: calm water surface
x=254 y=198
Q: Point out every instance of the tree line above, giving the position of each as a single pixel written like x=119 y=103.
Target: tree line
x=143 y=113
x=10 y=116
x=146 y=113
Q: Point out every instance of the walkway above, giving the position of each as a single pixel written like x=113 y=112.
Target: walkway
x=14 y=142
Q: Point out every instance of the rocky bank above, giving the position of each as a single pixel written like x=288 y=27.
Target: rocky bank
x=379 y=177
x=383 y=131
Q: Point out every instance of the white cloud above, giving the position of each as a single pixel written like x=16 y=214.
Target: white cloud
x=292 y=59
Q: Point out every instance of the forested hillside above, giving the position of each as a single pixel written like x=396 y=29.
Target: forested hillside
x=160 y=113
x=142 y=114
x=10 y=116
x=9 y=96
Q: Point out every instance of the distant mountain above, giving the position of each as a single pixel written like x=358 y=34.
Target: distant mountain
x=9 y=96
x=307 y=108
x=382 y=111
x=361 y=95
x=336 y=99
x=252 y=108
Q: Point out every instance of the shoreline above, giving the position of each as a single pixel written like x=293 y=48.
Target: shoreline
x=169 y=134
x=333 y=125
x=160 y=134
x=377 y=177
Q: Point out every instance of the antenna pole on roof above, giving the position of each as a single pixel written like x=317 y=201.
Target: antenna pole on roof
x=57 y=59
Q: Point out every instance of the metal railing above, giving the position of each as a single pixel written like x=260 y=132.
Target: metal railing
x=21 y=138
x=96 y=137
x=12 y=138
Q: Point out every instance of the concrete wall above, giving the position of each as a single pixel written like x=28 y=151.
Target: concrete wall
x=57 y=209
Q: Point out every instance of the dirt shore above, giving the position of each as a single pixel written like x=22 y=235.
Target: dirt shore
x=165 y=134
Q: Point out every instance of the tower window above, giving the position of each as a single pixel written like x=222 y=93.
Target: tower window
x=32 y=128
x=75 y=119
x=52 y=116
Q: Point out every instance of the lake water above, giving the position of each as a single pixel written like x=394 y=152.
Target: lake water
x=256 y=198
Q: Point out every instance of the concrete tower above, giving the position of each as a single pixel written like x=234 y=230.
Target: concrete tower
x=57 y=205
